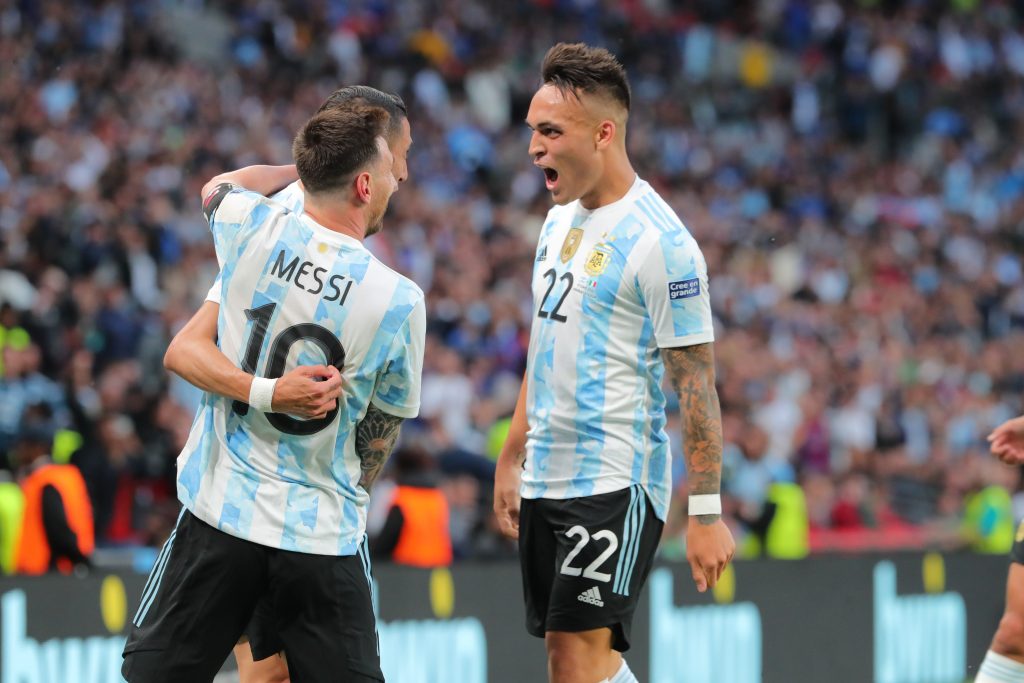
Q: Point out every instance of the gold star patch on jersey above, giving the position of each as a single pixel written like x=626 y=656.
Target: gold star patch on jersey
x=571 y=244
x=597 y=261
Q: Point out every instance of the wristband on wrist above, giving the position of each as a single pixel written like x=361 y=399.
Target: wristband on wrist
x=705 y=504
x=261 y=393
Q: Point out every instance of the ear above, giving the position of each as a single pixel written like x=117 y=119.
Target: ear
x=362 y=186
x=605 y=134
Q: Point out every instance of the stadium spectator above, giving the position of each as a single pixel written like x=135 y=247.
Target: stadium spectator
x=417 y=530
x=57 y=524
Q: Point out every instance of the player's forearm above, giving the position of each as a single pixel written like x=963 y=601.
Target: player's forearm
x=513 y=452
x=264 y=180
x=376 y=436
x=201 y=363
x=692 y=372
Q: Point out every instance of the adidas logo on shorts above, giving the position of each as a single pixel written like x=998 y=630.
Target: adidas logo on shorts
x=591 y=597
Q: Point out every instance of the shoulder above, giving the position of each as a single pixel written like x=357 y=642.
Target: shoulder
x=232 y=203
x=410 y=290
x=291 y=197
x=659 y=222
x=405 y=290
x=653 y=211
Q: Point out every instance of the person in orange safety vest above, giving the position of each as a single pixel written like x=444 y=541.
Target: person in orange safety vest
x=416 y=532
x=57 y=526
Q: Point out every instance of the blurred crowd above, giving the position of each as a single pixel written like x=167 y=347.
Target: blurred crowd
x=854 y=173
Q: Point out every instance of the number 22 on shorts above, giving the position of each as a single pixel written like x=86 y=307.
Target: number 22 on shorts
x=591 y=570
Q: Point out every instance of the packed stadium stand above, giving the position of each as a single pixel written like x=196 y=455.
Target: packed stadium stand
x=852 y=171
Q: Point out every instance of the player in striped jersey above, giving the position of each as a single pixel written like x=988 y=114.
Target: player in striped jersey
x=274 y=505
x=1004 y=661
x=194 y=355
x=621 y=295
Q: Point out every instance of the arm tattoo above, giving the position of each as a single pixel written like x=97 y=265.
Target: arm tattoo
x=376 y=435
x=692 y=371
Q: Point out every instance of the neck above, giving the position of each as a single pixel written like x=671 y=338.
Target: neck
x=618 y=177
x=344 y=219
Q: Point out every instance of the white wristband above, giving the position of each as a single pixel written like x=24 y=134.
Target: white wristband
x=706 y=504
x=261 y=394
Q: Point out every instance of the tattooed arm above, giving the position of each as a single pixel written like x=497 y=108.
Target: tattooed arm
x=376 y=435
x=709 y=543
x=692 y=372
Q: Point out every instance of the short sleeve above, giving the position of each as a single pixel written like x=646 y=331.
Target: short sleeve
x=234 y=213
x=673 y=282
x=214 y=293
x=398 y=391
x=291 y=197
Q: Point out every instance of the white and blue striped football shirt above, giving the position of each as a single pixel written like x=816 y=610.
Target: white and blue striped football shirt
x=611 y=287
x=291 y=198
x=295 y=293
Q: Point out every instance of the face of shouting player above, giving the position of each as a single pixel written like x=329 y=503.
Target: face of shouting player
x=566 y=143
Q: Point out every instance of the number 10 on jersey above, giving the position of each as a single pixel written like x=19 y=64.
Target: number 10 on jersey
x=331 y=346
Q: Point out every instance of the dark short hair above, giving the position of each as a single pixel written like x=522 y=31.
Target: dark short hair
x=336 y=144
x=364 y=94
x=579 y=68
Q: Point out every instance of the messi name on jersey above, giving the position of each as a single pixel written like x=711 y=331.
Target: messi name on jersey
x=310 y=278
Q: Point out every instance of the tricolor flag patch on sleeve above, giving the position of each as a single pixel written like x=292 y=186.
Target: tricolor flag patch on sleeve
x=683 y=289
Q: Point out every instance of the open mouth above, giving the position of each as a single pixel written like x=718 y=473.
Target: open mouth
x=550 y=178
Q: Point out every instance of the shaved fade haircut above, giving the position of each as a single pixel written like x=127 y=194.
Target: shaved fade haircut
x=579 y=68
x=364 y=94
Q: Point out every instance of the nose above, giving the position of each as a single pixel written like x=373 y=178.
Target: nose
x=536 y=145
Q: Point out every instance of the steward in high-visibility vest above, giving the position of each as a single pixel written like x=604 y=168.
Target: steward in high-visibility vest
x=788 y=532
x=416 y=532
x=57 y=524
x=988 y=520
x=424 y=540
x=12 y=507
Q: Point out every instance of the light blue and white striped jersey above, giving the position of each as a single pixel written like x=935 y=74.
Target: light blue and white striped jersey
x=611 y=287
x=291 y=198
x=295 y=293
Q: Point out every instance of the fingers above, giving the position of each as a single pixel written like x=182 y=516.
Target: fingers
x=1008 y=430
x=333 y=382
x=508 y=521
x=512 y=523
x=323 y=409
x=1010 y=455
x=313 y=371
x=699 y=577
x=712 y=572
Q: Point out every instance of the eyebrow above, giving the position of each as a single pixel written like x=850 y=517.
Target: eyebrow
x=543 y=124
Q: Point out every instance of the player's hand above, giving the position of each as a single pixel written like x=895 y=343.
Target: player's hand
x=507 y=478
x=1007 y=441
x=709 y=547
x=308 y=391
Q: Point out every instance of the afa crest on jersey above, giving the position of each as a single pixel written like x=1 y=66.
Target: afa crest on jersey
x=597 y=261
x=571 y=244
